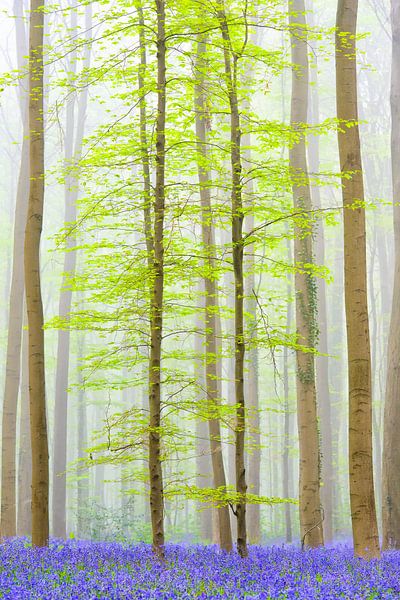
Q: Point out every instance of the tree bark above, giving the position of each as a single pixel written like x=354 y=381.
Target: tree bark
x=391 y=441
x=311 y=516
x=251 y=377
x=15 y=318
x=157 y=294
x=82 y=438
x=322 y=361
x=71 y=191
x=230 y=61
x=211 y=350
x=362 y=498
x=286 y=465
x=24 y=516
x=37 y=389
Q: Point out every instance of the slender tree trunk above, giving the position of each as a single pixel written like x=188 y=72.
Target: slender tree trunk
x=230 y=60
x=82 y=438
x=377 y=450
x=362 y=498
x=212 y=351
x=37 y=389
x=391 y=441
x=203 y=462
x=24 y=516
x=322 y=361
x=251 y=379
x=71 y=191
x=157 y=294
x=286 y=466
x=13 y=353
x=311 y=518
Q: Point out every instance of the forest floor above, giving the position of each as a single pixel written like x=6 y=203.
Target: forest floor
x=89 y=570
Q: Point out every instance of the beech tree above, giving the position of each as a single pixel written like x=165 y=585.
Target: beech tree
x=311 y=516
x=231 y=58
x=391 y=442
x=33 y=231
x=211 y=350
x=16 y=300
x=74 y=132
x=361 y=479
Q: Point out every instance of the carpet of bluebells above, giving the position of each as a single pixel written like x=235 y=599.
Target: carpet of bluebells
x=88 y=570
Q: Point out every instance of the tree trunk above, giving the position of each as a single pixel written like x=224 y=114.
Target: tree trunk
x=15 y=318
x=322 y=361
x=362 y=498
x=230 y=60
x=391 y=441
x=211 y=351
x=24 y=517
x=286 y=466
x=157 y=294
x=37 y=390
x=82 y=440
x=251 y=378
x=311 y=518
x=71 y=190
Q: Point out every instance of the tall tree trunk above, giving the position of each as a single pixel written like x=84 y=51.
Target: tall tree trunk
x=311 y=518
x=322 y=361
x=391 y=441
x=286 y=466
x=251 y=378
x=13 y=353
x=82 y=439
x=24 y=517
x=377 y=450
x=362 y=498
x=203 y=466
x=37 y=389
x=230 y=60
x=157 y=294
x=71 y=190
x=212 y=351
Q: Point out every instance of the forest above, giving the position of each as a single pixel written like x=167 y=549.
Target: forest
x=200 y=299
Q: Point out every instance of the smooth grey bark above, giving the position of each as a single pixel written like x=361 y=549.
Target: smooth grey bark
x=82 y=440
x=321 y=361
x=74 y=133
x=286 y=463
x=310 y=509
x=252 y=363
x=391 y=438
x=8 y=522
x=24 y=516
x=211 y=348
x=361 y=478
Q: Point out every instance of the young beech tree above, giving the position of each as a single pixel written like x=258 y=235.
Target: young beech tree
x=231 y=58
x=322 y=361
x=311 y=517
x=391 y=438
x=212 y=351
x=16 y=302
x=157 y=294
x=74 y=132
x=362 y=498
x=37 y=390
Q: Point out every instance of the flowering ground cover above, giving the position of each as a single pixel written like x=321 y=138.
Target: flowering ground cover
x=105 y=570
